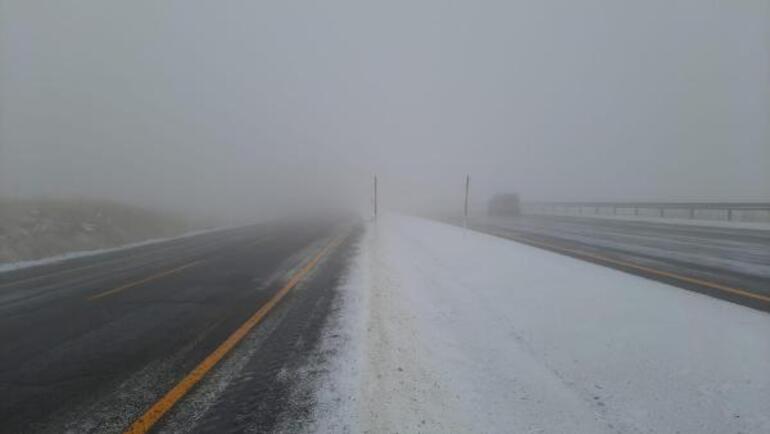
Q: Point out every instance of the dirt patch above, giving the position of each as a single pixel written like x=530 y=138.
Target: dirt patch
x=35 y=229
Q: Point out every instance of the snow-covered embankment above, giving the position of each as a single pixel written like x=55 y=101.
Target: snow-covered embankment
x=447 y=330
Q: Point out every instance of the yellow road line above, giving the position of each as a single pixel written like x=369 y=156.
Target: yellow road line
x=712 y=285
x=143 y=281
x=145 y=422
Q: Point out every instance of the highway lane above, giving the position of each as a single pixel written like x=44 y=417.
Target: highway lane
x=732 y=264
x=54 y=271
x=92 y=343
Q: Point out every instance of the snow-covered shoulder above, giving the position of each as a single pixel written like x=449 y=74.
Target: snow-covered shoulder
x=13 y=266
x=457 y=331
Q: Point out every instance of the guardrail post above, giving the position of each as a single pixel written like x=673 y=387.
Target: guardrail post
x=729 y=214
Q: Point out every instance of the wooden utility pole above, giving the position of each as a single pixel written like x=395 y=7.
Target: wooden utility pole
x=375 y=197
x=467 y=191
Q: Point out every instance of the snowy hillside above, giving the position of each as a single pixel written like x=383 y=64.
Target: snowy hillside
x=39 y=229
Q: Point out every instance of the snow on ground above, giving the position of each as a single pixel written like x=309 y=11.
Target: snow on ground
x=32 y=229
x=738 y=253
x=449 y=330
x=13 y=266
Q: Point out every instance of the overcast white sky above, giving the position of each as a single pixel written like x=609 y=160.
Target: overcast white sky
x=173 y=101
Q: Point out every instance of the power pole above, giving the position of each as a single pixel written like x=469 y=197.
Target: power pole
x=467 y=191
x=375 y=197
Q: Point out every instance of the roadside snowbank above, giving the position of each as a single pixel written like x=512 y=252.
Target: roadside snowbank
x=464 y=332
x=13 y=266
x=337 y=398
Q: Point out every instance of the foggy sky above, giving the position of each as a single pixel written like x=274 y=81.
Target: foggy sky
x=199 y=104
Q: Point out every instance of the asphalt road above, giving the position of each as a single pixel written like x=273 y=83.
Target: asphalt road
x=731 y=264
x=89 y=345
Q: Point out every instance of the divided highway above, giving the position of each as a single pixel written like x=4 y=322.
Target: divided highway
x=732 y=264
x=92 y=344
x=214 y=332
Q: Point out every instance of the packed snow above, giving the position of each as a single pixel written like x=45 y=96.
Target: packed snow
x=449 y=330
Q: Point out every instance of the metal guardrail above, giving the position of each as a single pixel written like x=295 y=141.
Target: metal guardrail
x=690 y=209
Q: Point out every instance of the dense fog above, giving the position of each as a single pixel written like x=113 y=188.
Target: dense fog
x=240 y=107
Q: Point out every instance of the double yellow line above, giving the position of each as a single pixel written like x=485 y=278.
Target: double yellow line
x=648 y=270
x=147 y=420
